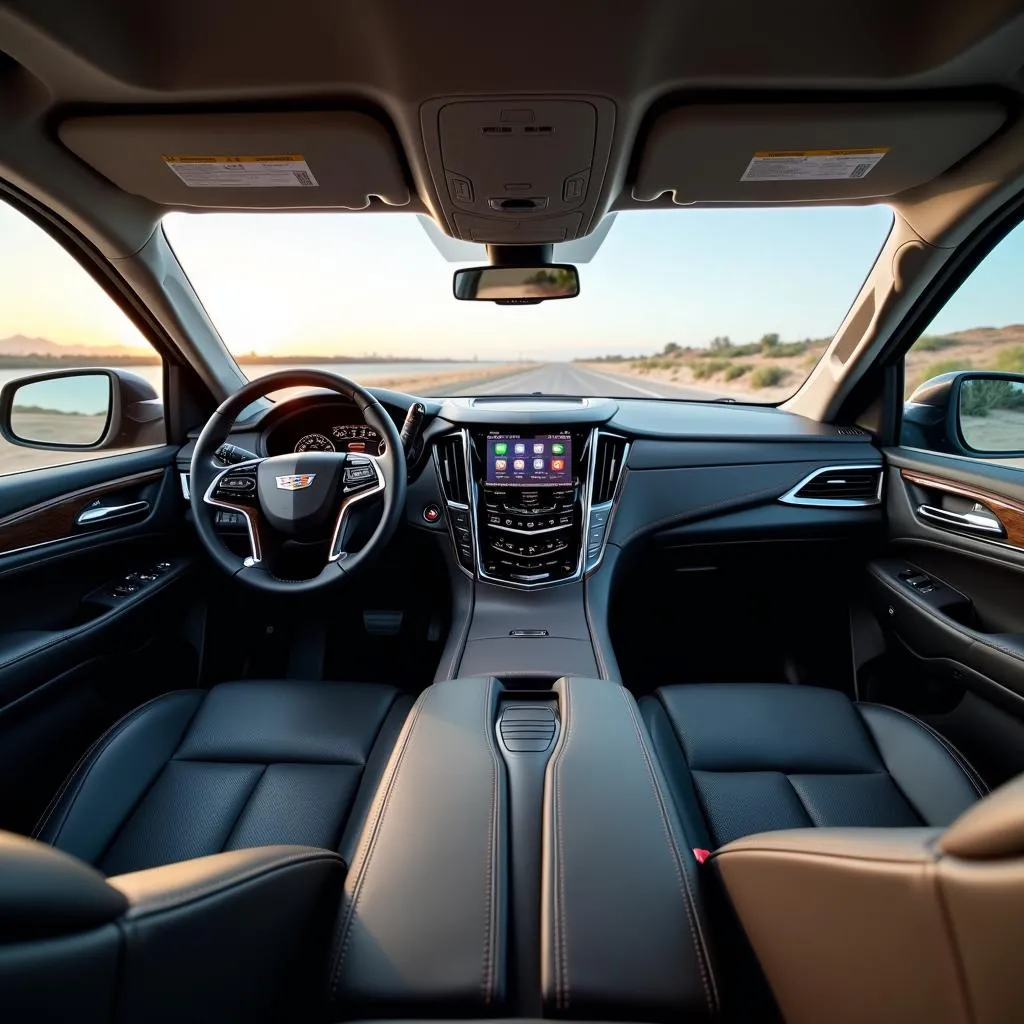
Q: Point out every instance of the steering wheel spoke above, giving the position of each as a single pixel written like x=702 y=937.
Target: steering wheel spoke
x=235 y=489
x=363 y=479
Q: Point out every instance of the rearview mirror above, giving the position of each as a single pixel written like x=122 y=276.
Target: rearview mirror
x=517 y=286
x=68 y=410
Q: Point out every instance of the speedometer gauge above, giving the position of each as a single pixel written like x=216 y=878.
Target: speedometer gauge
x=315 y=443
x=358 y=438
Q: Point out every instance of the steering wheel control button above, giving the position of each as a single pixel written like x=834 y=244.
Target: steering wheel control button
x=431 y=514
x=359 y=472
x=238 y=483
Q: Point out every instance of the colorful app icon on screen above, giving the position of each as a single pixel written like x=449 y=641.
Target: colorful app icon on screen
x=520 y=449
x=557 y=448
x=538 y=463
x=500 y=465
x=557 y=465
x=519 y=464
x=538 y=448
x=500 y=448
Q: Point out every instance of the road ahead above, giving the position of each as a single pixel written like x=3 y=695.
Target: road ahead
x=572 y=379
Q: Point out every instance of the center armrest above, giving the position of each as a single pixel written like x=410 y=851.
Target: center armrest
x=423 y=916
x=623 y=930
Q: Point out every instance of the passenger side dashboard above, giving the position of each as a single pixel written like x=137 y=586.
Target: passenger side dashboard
x=667 y=533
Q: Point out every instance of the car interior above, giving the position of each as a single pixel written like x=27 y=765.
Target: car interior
x=561 y=689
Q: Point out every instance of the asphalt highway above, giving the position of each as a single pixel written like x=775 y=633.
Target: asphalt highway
x=572 y=379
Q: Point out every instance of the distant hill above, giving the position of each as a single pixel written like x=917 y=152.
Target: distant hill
x=20 y=345
x=989 y=335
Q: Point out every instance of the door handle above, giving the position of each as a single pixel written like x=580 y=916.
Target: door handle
x=96 y=514
x=978 y=520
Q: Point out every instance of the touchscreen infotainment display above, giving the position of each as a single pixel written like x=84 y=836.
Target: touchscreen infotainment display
x=529 y=460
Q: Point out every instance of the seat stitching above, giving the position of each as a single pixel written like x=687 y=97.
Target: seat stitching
x=105 y=737
x=961 y=762
x=800 y=799
x=373 y=833
x=248 y=800
x=189 y=894
x=490 y=916
x=672 y=721
x=93 y=755
x=345 y=821
x=562 y=985
x=955 y=950
x=693 y=920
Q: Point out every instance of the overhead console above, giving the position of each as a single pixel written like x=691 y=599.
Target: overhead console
x=799 y=152
x=518 y=170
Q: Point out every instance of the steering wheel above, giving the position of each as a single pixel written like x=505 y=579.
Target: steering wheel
x=306 y=496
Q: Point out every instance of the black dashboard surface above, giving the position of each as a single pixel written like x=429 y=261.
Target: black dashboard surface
x=652 y=419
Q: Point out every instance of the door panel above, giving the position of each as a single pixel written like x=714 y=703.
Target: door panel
x=79 y=645
x=87 y=511
x=949 y=593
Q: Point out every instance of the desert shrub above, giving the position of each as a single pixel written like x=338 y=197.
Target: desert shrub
x=704 y=368
x=1010 y=359
x=737 y=370
x=979 y=397
x=768 y=376
x=933 y=343
x=783 y=349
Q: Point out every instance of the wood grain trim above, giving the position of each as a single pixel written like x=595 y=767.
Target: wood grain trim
x=55 y=519
x=1009 y=512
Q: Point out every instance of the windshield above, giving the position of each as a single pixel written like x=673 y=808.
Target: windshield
x=682 y=304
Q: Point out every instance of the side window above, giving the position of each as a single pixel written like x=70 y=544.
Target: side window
x=77 y=379
x=964 y=377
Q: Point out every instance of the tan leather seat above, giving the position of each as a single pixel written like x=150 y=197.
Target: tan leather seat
x=889 y=925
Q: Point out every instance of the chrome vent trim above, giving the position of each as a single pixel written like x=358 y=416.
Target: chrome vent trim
x=608 y=463
x=854 y=486
x=450 y=457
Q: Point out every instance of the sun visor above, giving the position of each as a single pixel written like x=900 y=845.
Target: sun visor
x=806 y=152
x=245 y=161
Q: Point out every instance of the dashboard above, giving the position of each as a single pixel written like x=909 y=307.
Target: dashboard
x=536 y=489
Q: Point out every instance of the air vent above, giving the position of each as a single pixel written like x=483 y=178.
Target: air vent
x=611 y=455
x=526 y=727
x=850 y=431
x=451 y=467
x=842 y=486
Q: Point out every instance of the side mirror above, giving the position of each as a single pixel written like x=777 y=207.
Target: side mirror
x=81 y=410
x=971 y=412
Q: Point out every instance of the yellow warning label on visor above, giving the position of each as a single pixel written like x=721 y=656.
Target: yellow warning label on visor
x=813 y=164
x=274 y=170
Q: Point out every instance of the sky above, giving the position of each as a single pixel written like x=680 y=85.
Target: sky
x=355 y=284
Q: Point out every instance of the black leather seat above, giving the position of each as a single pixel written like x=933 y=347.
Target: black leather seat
x=245 y=764
x=746 y=758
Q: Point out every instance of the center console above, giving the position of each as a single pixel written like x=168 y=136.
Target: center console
x=528 y=505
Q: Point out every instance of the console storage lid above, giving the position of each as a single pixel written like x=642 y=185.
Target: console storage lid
x=622 y=926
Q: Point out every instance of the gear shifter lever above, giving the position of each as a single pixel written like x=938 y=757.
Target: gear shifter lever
x=412 y=425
